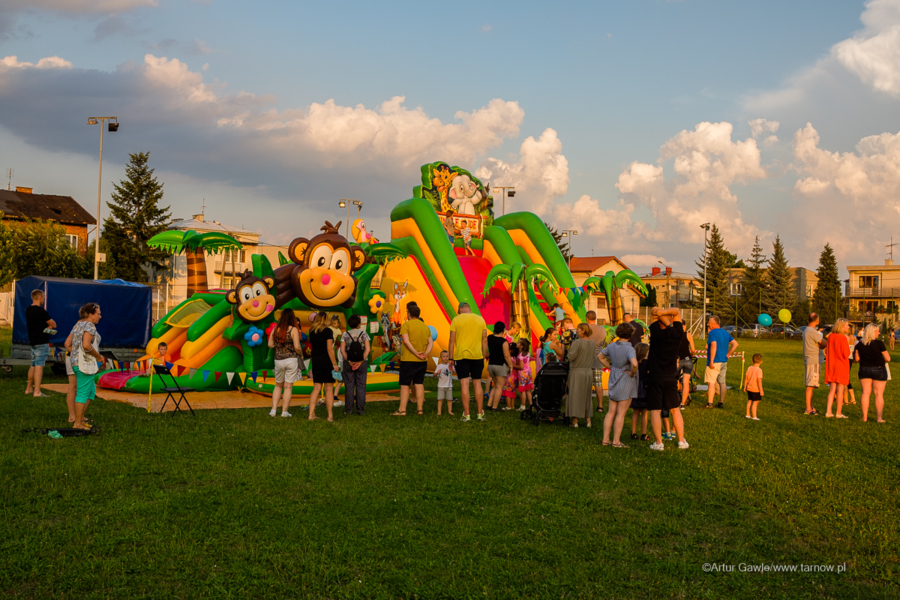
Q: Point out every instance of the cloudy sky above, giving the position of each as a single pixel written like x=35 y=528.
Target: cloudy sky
x=631 y=122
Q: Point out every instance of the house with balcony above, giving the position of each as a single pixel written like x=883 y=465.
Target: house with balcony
x=873 y=291
x=673 y=289
x=583 y=267
x=804 y=282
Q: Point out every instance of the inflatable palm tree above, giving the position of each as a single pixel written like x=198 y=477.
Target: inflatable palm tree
x=519 y=277
x=611 y=283
x=195 y=247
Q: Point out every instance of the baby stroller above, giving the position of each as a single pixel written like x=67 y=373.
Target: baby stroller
x=550 y=387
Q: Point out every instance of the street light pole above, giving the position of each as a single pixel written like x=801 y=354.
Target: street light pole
x=705 y=228
x=113 y=127
x=565 y=234
x=345 y=203
x=511 y=193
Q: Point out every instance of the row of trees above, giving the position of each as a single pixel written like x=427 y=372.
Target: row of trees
x=135 y=215
x=767 y=283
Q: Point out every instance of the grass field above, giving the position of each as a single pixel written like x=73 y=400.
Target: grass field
x=234 y=504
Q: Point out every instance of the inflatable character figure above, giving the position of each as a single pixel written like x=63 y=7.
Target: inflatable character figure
x=465 y=195
x=253 y=297
x=360 y=234
x=400 y=292
x=321 y=274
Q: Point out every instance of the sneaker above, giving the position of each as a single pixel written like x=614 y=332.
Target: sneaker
x=658 y=446
x=506 y=408
x=286 y=414
x=272 y=412
x=756 y=418
x=669 y=436
x=465 y=418
x=480 y=416
x=683 y=445
x=521 y=409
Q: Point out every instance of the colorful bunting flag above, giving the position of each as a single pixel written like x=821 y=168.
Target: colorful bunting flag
x=243 y=377
x=206 y=376
x=169 y=365
x=218 y=374
x=253 y=376
x=374 y=367
x=193 y=372
x=382 y=366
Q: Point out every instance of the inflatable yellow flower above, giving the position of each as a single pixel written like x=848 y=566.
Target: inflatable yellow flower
x=376 y=304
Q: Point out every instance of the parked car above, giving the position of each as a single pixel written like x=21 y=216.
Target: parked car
x=731 y=330
x=753 y=330
x=787 y=331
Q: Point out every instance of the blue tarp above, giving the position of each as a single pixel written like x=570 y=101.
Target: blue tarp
x=126 y=312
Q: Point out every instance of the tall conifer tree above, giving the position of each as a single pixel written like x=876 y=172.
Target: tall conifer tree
x=780 y=282
x=754 y=285
x=718 y=263
x=828 y=299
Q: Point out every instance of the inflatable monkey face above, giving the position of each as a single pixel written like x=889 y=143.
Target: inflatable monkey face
x=323 y=275
x=253 y=297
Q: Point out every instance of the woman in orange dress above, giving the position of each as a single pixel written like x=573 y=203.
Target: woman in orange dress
x=837 y=366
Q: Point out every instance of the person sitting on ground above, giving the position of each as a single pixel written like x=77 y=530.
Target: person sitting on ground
x=872 y=357
x=579 y=404
x=285 y=339
x=754 y=386
x=416 y=345
x=621 y=359
x=39 y=325
x=719 y=345
x=813 y=343
x=837 y=367
x=355 y=349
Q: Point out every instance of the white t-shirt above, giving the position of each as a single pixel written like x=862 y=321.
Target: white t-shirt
x=445 y=377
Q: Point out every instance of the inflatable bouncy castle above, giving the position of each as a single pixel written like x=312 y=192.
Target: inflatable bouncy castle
x=446 y=248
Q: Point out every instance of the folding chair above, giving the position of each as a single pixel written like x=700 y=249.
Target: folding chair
x=162 y=370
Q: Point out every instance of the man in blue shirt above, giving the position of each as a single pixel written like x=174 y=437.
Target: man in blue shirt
x=719 y=345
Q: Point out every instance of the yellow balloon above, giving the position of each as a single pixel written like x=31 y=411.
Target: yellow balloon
x=784 y=315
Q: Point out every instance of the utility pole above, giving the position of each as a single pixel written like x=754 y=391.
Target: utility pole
x=113 y=125
x=705 y=227
x=9 y=174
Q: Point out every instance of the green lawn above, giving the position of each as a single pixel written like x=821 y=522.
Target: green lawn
x=234 y=504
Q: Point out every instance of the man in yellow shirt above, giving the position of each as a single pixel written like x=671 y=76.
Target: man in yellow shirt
x=415 y=346
x=468 y=345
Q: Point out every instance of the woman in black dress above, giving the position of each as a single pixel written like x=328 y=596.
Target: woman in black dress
x=321 y=338
x=872 y=357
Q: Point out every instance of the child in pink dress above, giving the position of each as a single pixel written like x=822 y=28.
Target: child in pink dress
x=523 y=373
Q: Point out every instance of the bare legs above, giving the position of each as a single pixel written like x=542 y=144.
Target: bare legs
x=496 y=392
x=685 y=388
x=835 y=390
x=639 y=413
x=35 y=374
x=479 y=395
x=286 y=389
x=656 y=423
x=80 y=409
x=615 y=421
x=751 y=408
x=868 y=385
x=329 y=399
x=809 y=396
x=71 y=391
x=420 y=398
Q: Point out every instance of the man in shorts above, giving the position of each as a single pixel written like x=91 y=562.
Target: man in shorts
x=468 y=345
x=813 y=342
x=662 y=385
x=718 y=346
x=415 y=346
x=38 y=320
x=598 y=336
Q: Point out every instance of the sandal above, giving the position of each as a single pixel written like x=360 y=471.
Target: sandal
x=708 y=405
x=813 y=412
x=397 y=413
x=420 y=412
x=634 y=436
x=619 y=445
x=605 y=443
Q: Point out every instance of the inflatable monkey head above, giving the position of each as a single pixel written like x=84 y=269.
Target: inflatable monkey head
x=322 y=276
x=253 y=297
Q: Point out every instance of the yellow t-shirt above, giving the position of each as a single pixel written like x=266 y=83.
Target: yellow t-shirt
x=419 y=334
x=469 y=329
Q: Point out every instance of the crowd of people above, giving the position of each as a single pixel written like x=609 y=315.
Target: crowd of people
x=653 y=380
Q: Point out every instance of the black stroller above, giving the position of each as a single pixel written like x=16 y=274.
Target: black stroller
x=550 y=387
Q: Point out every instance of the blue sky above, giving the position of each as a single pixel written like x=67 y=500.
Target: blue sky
x=629 y=121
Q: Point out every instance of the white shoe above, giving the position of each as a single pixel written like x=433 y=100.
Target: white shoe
x=272 y=413
x=756 y=418
x=588 y=425
x=286 y=414
x=683 y=445
x=657 y=446
x=521 y=409
x=480 y=416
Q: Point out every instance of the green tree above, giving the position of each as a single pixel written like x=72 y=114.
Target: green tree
x=650 y=299
x=719 y=261
x=827 y=299
x=7 y=256
x=779 y=282
x=754 y=285
x=734 y=262
x=135 y=217
x=41 y=248
x=563 y=242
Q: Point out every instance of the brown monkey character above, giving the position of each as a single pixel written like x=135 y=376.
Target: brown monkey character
x=322 y=273
x=253 y=296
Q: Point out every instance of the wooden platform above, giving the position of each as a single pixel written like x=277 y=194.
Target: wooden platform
x=206 y=400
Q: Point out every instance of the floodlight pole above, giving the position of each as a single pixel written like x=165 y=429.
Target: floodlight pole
x=705 y=228
x=503 y=189
x=95 y=121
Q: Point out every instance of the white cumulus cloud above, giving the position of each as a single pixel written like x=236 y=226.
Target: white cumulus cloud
x=49 y=62
x=873 y=54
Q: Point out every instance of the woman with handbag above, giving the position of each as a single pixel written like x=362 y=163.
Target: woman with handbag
x=872 y=357
x=86 y=342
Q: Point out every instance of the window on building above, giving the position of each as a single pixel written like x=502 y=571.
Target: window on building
x=73 y=240
x=737 y=289
x=868 y=281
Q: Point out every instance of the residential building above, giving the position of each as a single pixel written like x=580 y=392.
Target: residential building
x=872 y=290
x=224 y=269
x=673 y=289
x=803 y=280
x=22 y=204
x=597 y=266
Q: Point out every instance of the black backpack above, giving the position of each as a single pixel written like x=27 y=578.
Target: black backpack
x=355 y=350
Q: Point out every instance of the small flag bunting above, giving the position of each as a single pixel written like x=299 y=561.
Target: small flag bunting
x=230 y=377
x=193 y=372
x=253 y=376
x=205 y=376
x=217 y=375
x=243 y=377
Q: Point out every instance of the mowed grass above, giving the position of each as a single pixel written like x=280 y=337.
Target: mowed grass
x=235 y=504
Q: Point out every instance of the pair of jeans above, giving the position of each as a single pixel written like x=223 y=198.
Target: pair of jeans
x=355 y=387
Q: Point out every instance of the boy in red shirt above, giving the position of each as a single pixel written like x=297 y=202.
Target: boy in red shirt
x=753 y=386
